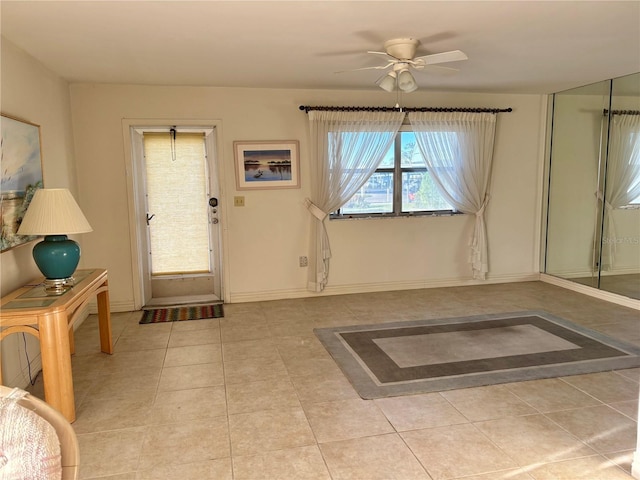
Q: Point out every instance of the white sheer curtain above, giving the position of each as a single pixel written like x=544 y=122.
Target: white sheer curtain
x=346 y=148
x=458 y=150
x=623 y=176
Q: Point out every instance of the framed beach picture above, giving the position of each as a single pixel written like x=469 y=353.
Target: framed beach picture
x=21 y=161
x=267 y=164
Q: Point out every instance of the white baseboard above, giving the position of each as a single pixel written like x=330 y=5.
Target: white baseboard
x=591 y=273
x=115 y=307
x=592 y=292
x=267 y=295
x=620 y=271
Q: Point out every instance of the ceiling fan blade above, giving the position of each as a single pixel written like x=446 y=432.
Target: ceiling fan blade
x=380 y=53
x=437 y=69
x=370 y=37
x=379 y=67
x=452 y=56
x=339 y=53
x=436 y=37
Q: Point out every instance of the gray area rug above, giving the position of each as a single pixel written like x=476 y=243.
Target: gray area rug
x=391 y=359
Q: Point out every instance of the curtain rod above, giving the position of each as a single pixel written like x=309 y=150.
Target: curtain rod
x=621 y=112
x=307 y=109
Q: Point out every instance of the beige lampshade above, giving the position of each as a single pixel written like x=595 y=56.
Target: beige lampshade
x=53 y=211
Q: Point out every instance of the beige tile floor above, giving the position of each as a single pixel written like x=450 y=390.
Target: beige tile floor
x=255 y=396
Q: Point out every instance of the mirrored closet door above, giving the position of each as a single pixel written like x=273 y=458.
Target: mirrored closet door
x=593 y=211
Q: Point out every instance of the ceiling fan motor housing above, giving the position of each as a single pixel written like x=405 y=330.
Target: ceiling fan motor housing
x=401 y=48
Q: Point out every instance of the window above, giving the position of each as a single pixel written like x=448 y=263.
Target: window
x=400 y=186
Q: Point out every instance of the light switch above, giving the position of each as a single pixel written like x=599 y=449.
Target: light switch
x=238 y=201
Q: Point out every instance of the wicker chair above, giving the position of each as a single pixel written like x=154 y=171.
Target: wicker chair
x=69 y=451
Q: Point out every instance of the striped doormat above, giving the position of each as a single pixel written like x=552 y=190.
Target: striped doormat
x=177 y=314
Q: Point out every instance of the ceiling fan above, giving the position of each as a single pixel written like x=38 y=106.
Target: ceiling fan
x=401 y=59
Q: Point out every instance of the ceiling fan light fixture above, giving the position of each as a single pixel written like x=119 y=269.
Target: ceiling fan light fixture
x=400 y=55
x=406 y=82
x=388 y=82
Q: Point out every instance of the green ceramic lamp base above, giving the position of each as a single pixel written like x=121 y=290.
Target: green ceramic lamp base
x=57 y=257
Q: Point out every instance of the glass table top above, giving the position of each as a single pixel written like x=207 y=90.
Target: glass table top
x=38 y=291
x=37 y=297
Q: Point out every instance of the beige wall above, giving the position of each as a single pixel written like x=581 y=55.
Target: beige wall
x=31 y=92
x=263 y=240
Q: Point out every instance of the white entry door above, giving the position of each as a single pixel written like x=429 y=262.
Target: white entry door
x=178 y=215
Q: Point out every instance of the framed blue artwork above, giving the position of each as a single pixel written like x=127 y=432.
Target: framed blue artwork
x=267 y=165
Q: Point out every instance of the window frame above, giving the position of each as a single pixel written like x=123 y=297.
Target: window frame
x=397 y=171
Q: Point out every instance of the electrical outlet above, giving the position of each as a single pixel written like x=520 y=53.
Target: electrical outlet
x=304 y=261
x=238 y=201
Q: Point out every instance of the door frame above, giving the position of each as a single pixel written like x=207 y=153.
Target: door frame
x=136 y=201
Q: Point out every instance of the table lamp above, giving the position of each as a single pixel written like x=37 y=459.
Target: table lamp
x=54 y=213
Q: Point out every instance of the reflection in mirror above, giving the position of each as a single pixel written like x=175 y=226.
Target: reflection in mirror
x=620 y=258
x=593 y=214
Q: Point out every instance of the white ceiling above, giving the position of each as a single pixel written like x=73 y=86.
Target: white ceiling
x=513 y=46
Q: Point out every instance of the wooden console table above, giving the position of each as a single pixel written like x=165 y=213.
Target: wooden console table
x=50 y=318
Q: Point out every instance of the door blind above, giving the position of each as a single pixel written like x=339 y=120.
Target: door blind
x=177 y=197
